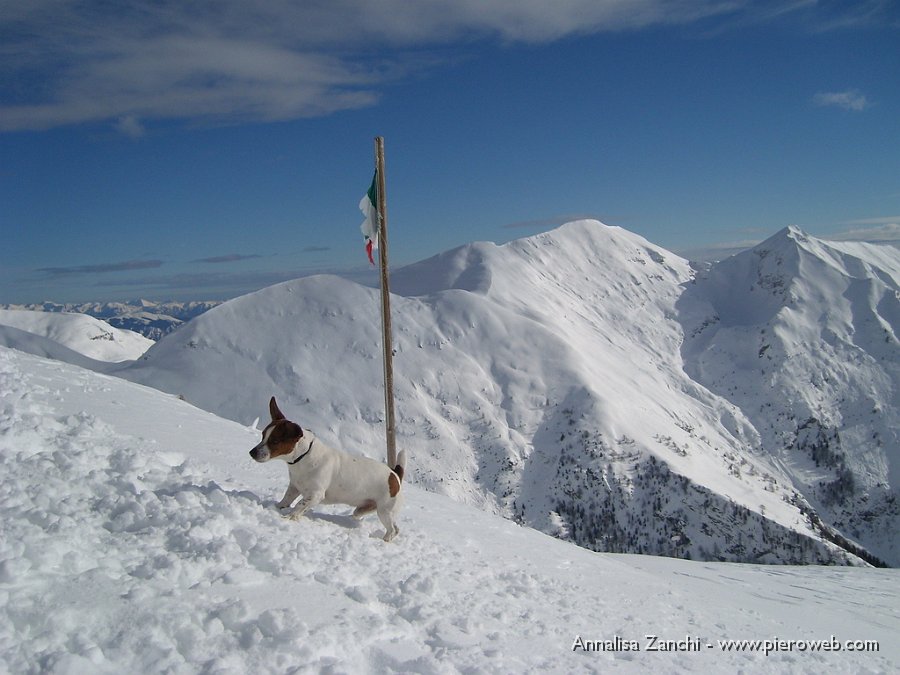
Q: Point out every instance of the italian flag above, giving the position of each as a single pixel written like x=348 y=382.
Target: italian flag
x=369 y=207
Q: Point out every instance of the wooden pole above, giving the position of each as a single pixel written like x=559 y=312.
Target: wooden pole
x=386 y=333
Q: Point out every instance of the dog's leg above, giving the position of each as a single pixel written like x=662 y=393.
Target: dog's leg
x=364 y=509
x=386 y=516
x=306 y=504
x=289 y=496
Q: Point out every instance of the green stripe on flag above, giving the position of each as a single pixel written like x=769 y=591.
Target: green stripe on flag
x=370 y=226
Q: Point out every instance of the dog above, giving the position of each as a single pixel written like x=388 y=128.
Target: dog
x=324 y=475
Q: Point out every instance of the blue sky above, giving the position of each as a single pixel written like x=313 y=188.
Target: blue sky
x=149 y=150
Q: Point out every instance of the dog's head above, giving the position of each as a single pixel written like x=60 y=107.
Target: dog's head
x=278 y=438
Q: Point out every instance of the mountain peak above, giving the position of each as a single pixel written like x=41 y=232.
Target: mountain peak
x=786 y=238
x=818 y=323
x=587 y=248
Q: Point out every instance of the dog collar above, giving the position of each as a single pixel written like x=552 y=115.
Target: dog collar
x=305 y=453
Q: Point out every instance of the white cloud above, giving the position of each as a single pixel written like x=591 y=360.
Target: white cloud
x=130 y=126
x=850 y=99
x=74 y=61
x=881 y=220
x=874 y=230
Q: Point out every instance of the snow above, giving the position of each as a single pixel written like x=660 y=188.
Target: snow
x=150 y=318
x=38 y=345
x=83 y=334
x=803 y=336
x=138 y=536
x=583 y=381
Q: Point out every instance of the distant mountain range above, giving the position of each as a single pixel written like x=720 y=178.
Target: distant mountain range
x=147 y=317
x=595 y=386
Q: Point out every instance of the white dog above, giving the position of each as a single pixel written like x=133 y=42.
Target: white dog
x=328 y=476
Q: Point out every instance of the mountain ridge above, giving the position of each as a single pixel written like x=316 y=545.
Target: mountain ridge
x=813 y=360
x=595 y=386
x=543 y=379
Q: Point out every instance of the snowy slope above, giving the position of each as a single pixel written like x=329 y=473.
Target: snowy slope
x=38 y=345
x=802 y=335
x=542 y=380
x=86 y=335
x=139 y=537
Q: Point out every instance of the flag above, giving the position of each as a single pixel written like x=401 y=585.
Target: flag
x=369 y=207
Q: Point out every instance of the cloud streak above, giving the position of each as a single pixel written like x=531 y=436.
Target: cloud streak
x=873 y=230
x=850 y=99
x=232 y=257
x=223 y=285
x=133 y=62
x=127 y=266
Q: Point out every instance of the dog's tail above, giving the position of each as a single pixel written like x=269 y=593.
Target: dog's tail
x=396 y=476
x=400 y=469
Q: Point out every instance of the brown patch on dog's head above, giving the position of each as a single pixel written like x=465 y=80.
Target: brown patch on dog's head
x=283 y=438
x=393 y=484
x=279 y=438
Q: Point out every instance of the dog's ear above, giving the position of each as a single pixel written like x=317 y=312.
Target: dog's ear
x=274 y=411
x=295 y=433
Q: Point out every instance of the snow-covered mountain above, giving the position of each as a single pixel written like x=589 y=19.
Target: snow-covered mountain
x=83 y=334
x=137 y=536
x=802 y=335
x=150 y=318
x=561 y=381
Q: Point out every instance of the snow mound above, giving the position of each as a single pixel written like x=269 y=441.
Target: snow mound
x=136 y=535
x=149 y=318
x=42 y=346
x=86 y=335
